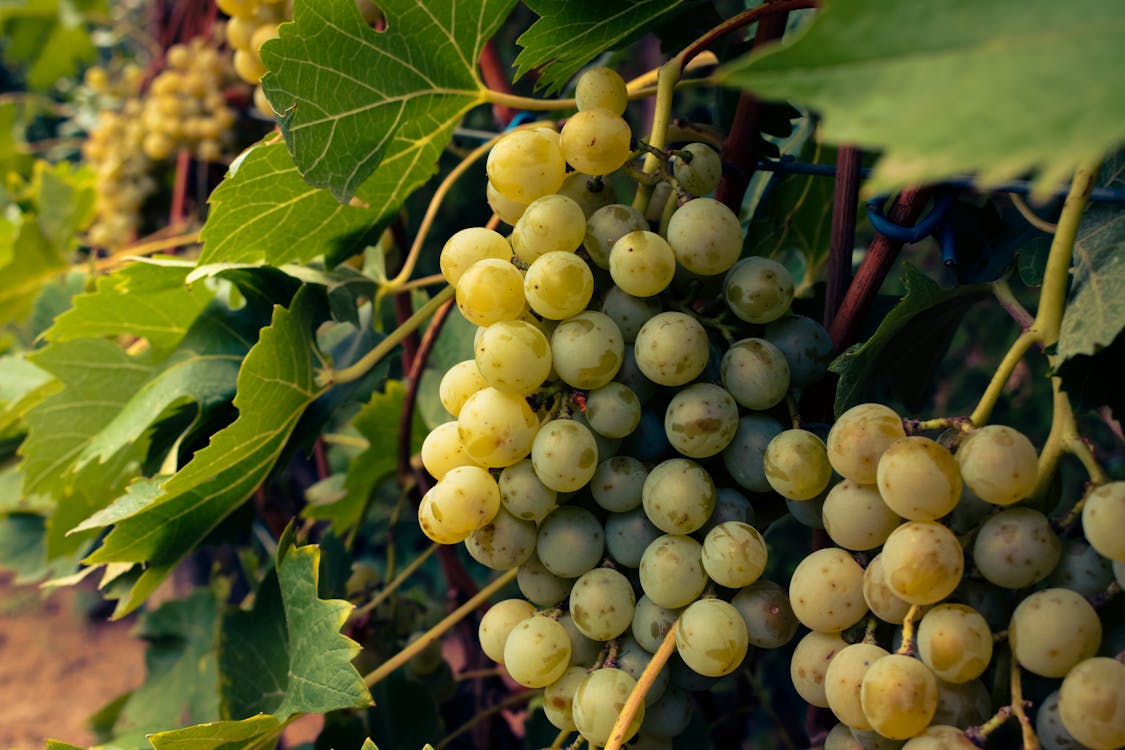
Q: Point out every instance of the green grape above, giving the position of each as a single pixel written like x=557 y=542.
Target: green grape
x=796 y=465
x=595 y=141
x=633 y=659
x=513 y=356
x=668 y=716
x=1049 y=727
x=807 y=512
x=940 y=737
x=678 y=496
x=526 y=164
x=498 y=622
x=712 y=637
x=671 y=571
x=826 y=590
x=468 y=246
x=706 y=237
x=701 y=420
x=1052 y=630
x=630 y=375
x=489 y=291
x=558 y=285
x=436 y=528
x=522 y=493
x=607 y=225
x=629 y=312
x=962 y=704
x=537 y=652
x=734 y=554
x=922 y=562
x=601 y=88
x=842 y=680
x=880 y=599
x=583 y=651
x=1103 y=519
x=590 y=193
x=1092 y=703
x=730 y=505
x=571 y=541
x=998 y=464
x=613 y=410
x=628 y=534
x=698 y=169
x=564 y=455
x=857 y=441
x=558 y=698
x=442 y=451
x=769 y=617
x=539 y=585
x=607 y=446
x=504 y=543
x=551 y=223
x=744 y=458
x=1082 y=569
x=1119 y=572
x=618 y=483
x=507 y=209
x=598 y=701
x=918 y=478
x=899 y=696
x=955 y=642
x=496 y=428
x=642 y=263
x=587 y=350
x=601 y=603
x=1016 y=548
x=809 y=663
x=758 y=290
x=756 y=373
x=855 y=516
x=465 y=499
x=840 y=738
x=871 y=740
x=651 y=623
x=672 y=348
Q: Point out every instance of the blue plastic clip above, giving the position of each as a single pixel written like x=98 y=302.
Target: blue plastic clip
x=520 y=119
x=935 y=222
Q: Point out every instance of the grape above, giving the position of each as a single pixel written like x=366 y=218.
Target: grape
x=758 y=290
x=826 y=590
x=806 y=345
x=796 y=465
x=807 y=512
x=744 y=458
x=922 y=562
x=628 y=534
x=507 y=209
x=648 y=442
x=1092 y=703
x=598 y=701
x=442 y=451
x=859 y=437
x=698 y=169
x=840 y=738
x=678 y=496
x=810 y=663
x=940 y=737
x=899 y=696
x=458 y=383
x=436 y=528
x=730 y=505
x=701 y=420
x=590 y=193
x=523 y=494
x=587 y=350
x=734 y=554
x=962 y=704
x=855 y=516
x=1052 y=630
x=601 y=603
x=513 y=356
x=564 y=455
x=1119 y=572
x=489 y=291
x=571 y=541
x=629 y=312
x=998 y=464
x=607 y=446
x=618 y=483
x=769 y=617
x=607 y=225
x=706 y=237
x=465 y=499
x=1016 y=548
x=537 y=652
x=601 y=88
x=595 y=141
x=672 y=348
x=1049 y=727
x=633 y=659
x=642 y=263
x=526 y=164
x=496 y=428
x=651 y=623
x=1103 y=518
x=583 y=651
x=1082 y=569
x=883 y=602
x=756 y=373
x=842 y=679
x=466 y=247
x=712 y=637
x=918 y=478
x=558 y=285
x=539 y=585
x=954 y=641
x=558 y=698
x=668 y=716
x=613 y=410
x=630 y=375
x=671 y=570
x=551 y=223
x=505 y=542
x=498 y=622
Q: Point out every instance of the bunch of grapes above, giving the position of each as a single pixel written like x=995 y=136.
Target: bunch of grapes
x=113 y=149
x=252 y=23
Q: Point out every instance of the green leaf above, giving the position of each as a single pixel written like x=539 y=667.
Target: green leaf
x=221 y=735
x=48 y=37
x=275 y=386
x=993 y=87
x=570 y=33
x=405 y=713
x=22 y=547
x=22 y=385
x=359 y=102
x=901 y=355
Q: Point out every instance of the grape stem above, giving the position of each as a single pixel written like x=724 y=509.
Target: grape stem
x=909 y=625
x=392 y=586
x=143 y=249
x=1030 y=740
x=666 y=81
x=739 y=21
x=1002 y=291
x=637 y=697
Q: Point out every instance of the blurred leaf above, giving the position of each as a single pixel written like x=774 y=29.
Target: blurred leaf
x=1032 y=261
x=257 y=731
x=405 y=714
x=1094 y=380
x=22 y=547
x=48 y=38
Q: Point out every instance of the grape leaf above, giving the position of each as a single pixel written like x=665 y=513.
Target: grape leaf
x=570 y=33
x=22 y=385
x=1024 y=84
x=220 y=735
x=358 y=102
x=48 y=37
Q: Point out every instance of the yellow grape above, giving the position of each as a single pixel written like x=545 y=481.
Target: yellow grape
x=899 y=696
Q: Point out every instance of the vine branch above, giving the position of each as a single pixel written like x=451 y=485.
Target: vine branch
x=636 y=698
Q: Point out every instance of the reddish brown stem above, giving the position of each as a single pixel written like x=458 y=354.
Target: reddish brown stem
x=760 y=14
x=414 y=377
x=845 y=199
x=320 y=459
x=403 y=310
x=179 y=187
x=496 y=78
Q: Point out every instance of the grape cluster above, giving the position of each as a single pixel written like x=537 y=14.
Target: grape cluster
x=603 y=444
x=252 y=23
x=113 y=149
